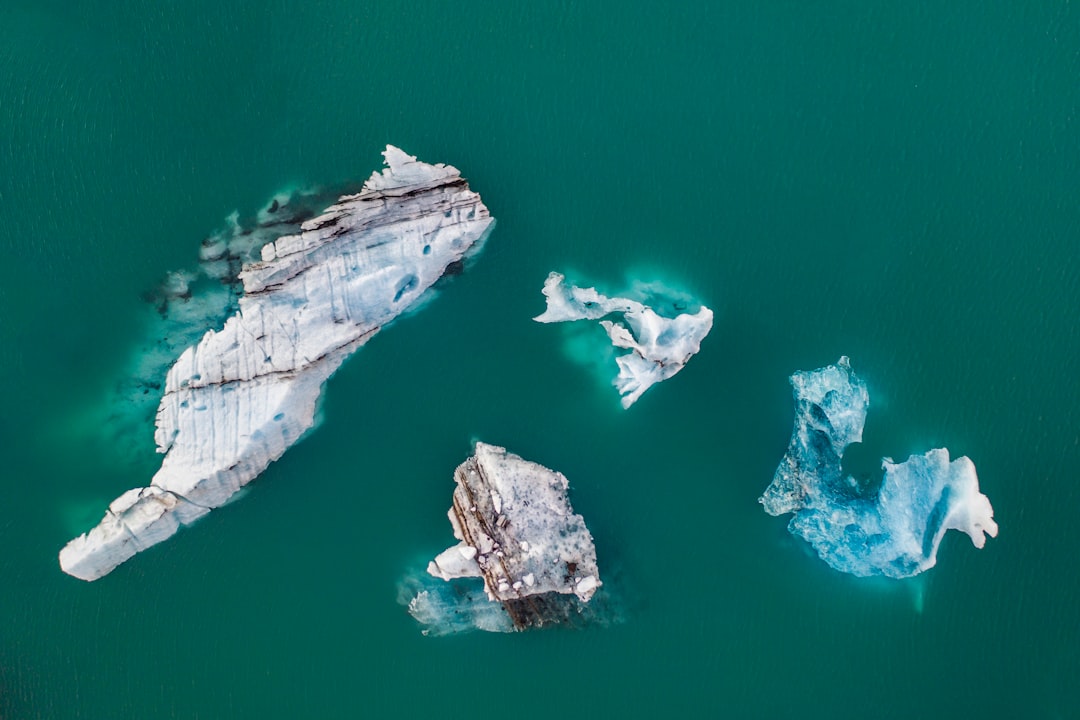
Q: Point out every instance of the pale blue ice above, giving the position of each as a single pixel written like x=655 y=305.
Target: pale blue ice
x=894 y=530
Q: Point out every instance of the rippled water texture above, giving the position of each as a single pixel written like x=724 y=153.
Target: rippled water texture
x=893 y=184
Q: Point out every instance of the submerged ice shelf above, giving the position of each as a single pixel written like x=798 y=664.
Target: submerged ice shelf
x=520 y=538
x=659 y=346
x=186 y=303
x=236 y=400
x=893 y=532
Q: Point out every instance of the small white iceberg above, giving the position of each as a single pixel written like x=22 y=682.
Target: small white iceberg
x=659 y=346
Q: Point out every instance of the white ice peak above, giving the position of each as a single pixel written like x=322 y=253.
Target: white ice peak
x=238 y=399
x=659 y=346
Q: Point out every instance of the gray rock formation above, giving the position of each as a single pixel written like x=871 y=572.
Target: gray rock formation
x=520 y=536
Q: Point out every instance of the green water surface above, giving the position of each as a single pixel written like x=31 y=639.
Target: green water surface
x=897 y=182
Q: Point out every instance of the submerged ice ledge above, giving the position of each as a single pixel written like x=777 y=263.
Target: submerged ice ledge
x=236 y=400
x=894 y=532
x=659 y=346
x=186 y=303
x=520 y=537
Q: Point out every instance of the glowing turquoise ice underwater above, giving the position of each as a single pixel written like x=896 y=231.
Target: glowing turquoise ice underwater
x=893 y=184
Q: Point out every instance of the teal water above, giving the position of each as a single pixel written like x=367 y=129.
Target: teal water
x=894 y=182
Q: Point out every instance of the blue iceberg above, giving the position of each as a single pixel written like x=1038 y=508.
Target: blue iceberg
x=893 y=530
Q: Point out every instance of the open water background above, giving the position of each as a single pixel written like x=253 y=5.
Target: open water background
x=897 y=182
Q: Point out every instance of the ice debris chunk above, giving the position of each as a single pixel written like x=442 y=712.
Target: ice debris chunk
x=894 y=530
x=524 y=559
x=659 y=346
x=241 y=396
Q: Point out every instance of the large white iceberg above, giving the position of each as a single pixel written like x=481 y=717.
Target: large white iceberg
x=659 y=346
x=188 y=302
x=236 y=400
x=520 y=538
x=894 y=530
